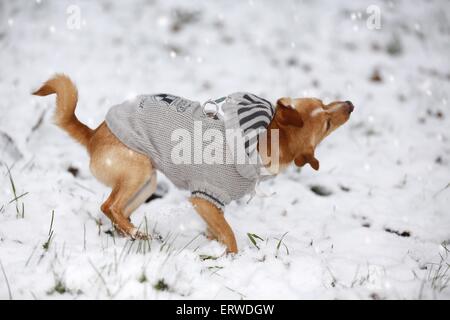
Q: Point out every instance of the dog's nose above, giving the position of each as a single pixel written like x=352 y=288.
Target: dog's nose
x=351 y=107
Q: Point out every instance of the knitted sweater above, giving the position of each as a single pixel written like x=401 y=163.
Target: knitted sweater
x=146 y=125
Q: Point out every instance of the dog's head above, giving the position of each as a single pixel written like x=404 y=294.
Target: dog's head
x=306 y=122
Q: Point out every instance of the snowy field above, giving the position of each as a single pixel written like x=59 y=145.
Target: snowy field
x=373 y=223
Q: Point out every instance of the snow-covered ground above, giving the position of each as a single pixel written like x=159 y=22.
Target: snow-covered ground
x=380 y=233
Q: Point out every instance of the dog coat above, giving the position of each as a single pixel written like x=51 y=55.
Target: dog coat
x=147 y=123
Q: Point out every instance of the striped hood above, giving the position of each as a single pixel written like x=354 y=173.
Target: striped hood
x=251 y=114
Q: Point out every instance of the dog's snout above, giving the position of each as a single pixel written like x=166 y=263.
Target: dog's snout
x=350 y=105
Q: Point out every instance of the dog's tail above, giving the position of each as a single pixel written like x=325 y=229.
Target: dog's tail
x=66 y=102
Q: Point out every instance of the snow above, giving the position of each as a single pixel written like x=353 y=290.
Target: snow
x=382 y=232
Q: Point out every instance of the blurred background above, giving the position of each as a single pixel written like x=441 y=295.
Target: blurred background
x=372 y=223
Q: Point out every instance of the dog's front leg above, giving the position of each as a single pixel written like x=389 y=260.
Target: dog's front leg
x=216 y=222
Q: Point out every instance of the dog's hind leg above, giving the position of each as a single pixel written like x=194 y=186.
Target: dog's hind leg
x=141 y=195
x=216 y=222
x=124 y=228
x=115 y=207
x=126 y=172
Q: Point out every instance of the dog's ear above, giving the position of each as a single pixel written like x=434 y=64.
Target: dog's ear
x=307 y=157
x=286 y=113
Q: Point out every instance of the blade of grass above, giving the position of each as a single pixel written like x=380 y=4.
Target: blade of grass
x=7 y=282
x=101 y=277
x=280 y=242
x=253 y=238
x=18 y=197
x=13 y=187
x=444 y=188
x=51 y=222
x=187 y=244
x=46 y=245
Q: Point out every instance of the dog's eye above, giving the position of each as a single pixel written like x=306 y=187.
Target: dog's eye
x=328 y=124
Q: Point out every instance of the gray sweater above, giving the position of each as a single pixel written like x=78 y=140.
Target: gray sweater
x=146 y=123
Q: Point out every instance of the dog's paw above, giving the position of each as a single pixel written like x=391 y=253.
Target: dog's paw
x=210 y=235
x=135 y=234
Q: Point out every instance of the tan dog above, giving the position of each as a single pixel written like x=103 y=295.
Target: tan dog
x=302 y=125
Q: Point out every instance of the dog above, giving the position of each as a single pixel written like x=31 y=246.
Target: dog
x=301 y=124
